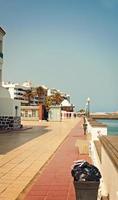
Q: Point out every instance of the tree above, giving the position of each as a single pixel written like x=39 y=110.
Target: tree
x=41 y=92
x=29 y=95
x=48 y=102
x=82 y=110
x=57 y=98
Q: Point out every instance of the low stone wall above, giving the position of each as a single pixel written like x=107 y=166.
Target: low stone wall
x=107 y=164
x=9 y=122
x=103 y=192
x=95 y=129
x=30 y=118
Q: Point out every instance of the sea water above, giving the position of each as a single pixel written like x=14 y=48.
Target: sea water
x=112 y=126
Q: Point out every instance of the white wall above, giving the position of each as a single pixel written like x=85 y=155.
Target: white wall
x=7 y=107
x=55 y=113
x=109 y=181
x=96 y=161
x=1 y=60
x=110 y=174
x=11 y=91
x=96 y=131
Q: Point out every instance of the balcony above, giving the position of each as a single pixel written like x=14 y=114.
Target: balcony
x=1 y=55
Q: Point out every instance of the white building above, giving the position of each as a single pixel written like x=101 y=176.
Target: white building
x=17 y=91
x=53 y=91
x=9 y=108
x=2 y=33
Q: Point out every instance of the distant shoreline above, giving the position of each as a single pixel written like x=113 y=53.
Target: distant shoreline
x=111 y=116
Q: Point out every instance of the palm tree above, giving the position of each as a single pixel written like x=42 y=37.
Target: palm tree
x=57 y=98
x=48 y=102
x=29 y=96
x=54 y=99
x=41 y=92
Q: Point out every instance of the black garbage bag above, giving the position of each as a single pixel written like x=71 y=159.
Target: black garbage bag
x=86 y=180
x=83 y=171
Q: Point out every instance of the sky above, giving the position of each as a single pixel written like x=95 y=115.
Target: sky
x=71 y=45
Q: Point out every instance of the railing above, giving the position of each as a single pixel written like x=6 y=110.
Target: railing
x=1 y=55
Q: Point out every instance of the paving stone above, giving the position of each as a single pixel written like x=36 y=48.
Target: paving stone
x=55 y=181
x=19 y=166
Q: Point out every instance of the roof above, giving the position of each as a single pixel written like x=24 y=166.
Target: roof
x=65 y=103
x=2 y=31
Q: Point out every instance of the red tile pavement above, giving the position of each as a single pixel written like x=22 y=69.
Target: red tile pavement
x=55 y=181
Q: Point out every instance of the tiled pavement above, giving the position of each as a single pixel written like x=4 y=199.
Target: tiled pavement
x=55 y=181
x=22 y=161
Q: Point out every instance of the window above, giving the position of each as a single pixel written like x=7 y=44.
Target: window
x=33 y=113
x=26 y=113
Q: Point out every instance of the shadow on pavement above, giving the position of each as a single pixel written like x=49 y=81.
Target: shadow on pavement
x=12 y=140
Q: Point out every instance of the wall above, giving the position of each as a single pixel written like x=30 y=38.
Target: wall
x=7 y=107
x=95 y=131
x=55 y=113
x=1 y=60
x=96 y=161
x=30 y=112
x=110 y=174
x=109 y=181
x=66 y=114
x=11 y=91
x=10 y=122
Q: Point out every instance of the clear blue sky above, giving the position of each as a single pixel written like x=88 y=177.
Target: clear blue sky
x=71 y=45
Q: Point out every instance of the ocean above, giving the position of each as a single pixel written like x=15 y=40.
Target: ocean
x=112 y=126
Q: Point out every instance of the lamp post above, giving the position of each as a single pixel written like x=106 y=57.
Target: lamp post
x=84 y=122
x=88 y=107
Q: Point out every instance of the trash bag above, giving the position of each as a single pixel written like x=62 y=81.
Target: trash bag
x=83 y=171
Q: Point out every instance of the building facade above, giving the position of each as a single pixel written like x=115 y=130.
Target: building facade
x=2 y=33
x=9 y=108
x=20 y=92
x=17 y=91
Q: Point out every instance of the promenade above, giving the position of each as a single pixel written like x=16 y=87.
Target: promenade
x=55 y=181
x=24 y=154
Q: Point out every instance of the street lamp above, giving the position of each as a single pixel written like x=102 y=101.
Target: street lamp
x=84 y=118
x=88 y=107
